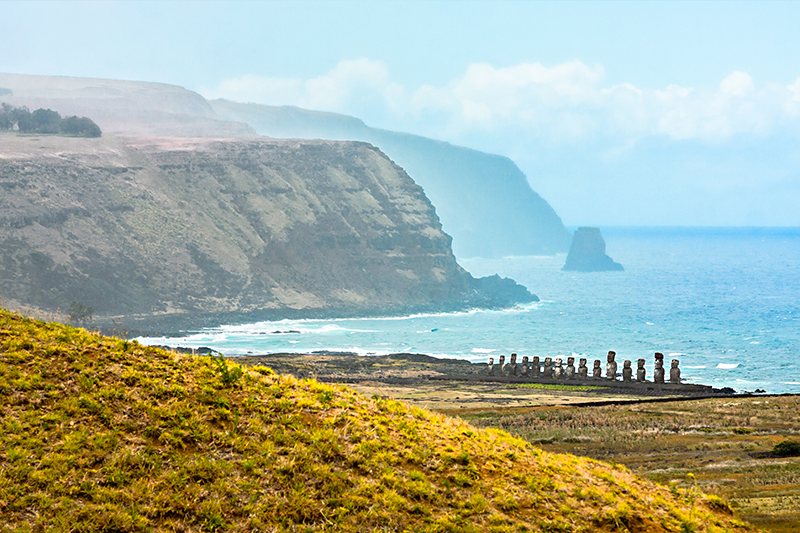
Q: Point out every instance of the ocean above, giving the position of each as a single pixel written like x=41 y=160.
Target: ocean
x=724 y=301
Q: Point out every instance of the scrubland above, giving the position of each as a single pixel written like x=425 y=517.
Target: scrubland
x=722 y=446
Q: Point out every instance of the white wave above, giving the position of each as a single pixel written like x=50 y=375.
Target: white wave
x=754 y=342
x=696 y=367
x=727 y=366
x=675 y=354
x=649 y=323
x=483 y=350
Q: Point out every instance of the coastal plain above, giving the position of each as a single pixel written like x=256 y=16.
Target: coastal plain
x=721 y=445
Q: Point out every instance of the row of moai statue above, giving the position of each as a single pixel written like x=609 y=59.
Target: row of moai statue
x=557 y=370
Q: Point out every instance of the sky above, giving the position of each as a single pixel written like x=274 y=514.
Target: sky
x=619 y=113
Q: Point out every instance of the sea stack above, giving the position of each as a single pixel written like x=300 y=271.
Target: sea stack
x=588 y=253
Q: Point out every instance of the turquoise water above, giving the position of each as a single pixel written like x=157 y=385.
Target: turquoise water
x=726 y=302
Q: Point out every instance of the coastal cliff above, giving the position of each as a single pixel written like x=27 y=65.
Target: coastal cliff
x=483 y=200
x=588 y=253
x=196 y=227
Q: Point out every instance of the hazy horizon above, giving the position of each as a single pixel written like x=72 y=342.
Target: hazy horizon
x=619 y=113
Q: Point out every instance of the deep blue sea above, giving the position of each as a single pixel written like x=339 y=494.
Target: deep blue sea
x=725 y=301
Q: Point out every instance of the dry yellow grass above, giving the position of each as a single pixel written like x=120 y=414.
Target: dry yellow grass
x=102 y=434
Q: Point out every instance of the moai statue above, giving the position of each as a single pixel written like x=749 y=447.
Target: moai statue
x=627 y=371
x=570 y=372
x=548 y=368
x=597 y=369
x=559 y=370
x=583 y=372
x=525 y=370
x=536 y=369
x=512 y=366
x=503 y=369
x=490 y=371
x=640 y=371
x=611 y=366
x=658 y=372
x=674 y=372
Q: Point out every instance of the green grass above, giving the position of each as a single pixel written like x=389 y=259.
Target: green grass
x=103 y=434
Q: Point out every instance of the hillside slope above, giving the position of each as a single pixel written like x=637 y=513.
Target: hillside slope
x=484 y=200
x=102 y=434
x=191 y=227
x=121 y=106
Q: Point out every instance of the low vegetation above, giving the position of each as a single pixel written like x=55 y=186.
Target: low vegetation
x=742 y=449
x=103 y=434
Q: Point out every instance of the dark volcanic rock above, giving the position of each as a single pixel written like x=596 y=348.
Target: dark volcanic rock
x=588 y=253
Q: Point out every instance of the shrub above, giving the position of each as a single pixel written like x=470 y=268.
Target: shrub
x=787 y=448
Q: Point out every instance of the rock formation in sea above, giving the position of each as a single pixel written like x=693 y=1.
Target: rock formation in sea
x=588 y=252
x=193 y=227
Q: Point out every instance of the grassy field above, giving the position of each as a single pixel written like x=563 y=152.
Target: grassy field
x=721 y=445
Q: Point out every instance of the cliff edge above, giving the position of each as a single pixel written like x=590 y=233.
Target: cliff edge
x=196 y=227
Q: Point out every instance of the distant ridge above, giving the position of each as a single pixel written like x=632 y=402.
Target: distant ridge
x=483 y=200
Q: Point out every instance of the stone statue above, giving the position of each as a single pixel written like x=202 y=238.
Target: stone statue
x=640 y=371
x=570 y=371
x=674 y=372
x=611 y=366
x=525 y=370
x=627 y=371
x=548 y=368
x=559 y=372
x=512 y=367
x=536 y=369
x=583 y=372
x=491 y=366
x=658 y=372
x=597 y=370
x=503 y=369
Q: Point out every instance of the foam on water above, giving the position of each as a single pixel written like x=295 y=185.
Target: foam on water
x=694 y=294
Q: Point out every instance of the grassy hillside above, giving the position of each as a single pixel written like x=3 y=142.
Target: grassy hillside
x=103 y=434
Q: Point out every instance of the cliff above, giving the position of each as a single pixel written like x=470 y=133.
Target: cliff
x=588 y=253
x=484 y=200
x=198 y=227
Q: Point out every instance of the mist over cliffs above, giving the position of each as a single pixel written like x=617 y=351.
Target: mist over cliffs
x=192 y=227
x=484 y=200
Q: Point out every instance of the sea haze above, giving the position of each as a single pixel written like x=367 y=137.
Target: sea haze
x=725 y=301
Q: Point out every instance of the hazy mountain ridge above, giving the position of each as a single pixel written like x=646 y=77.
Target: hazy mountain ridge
x=191 y=227
x=121 y=106
x=484 y=200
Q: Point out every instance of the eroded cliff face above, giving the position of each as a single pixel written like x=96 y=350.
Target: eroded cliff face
x=191 y=226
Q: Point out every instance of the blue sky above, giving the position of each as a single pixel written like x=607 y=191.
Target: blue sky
x=619 y=112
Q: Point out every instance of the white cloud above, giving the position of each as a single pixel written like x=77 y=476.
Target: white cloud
x=737 y=84
x=565 y=102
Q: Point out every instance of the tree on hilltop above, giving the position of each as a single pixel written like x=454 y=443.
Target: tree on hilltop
x=46 y=121
x=79 y=127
